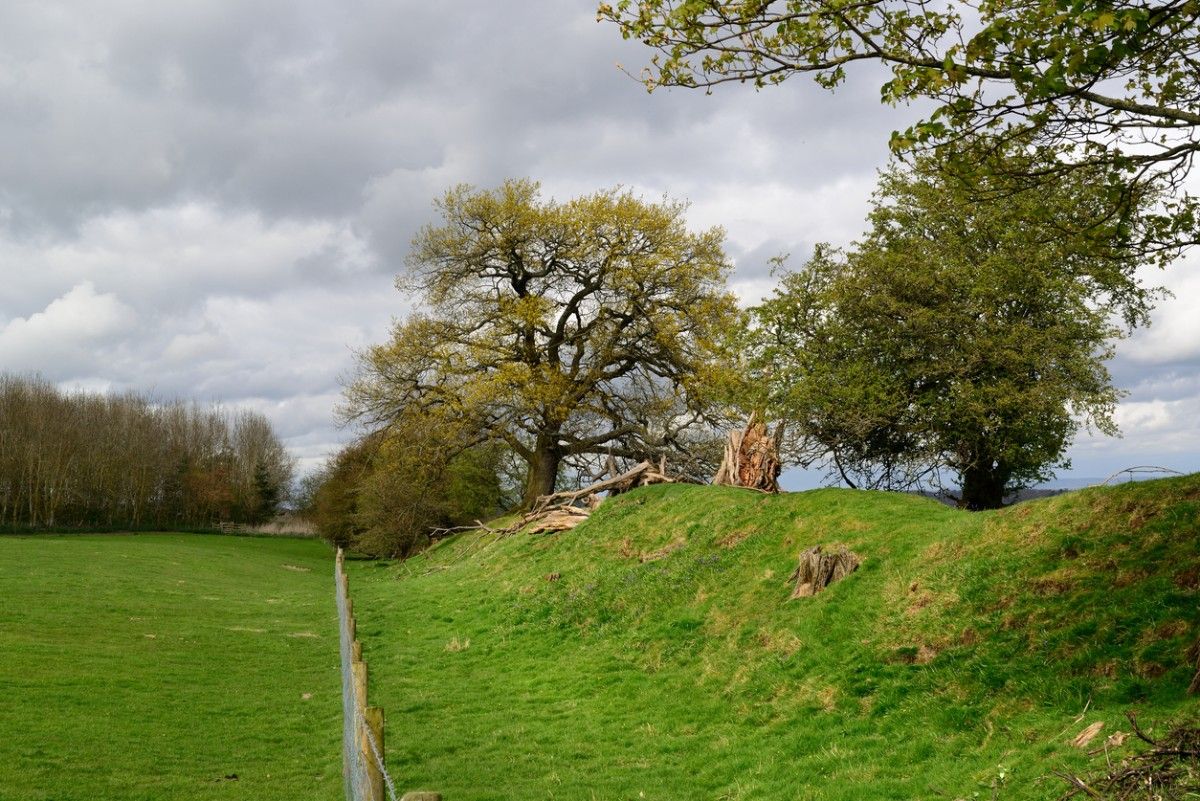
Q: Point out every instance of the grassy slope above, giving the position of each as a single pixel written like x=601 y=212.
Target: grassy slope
x=956 y=661
x=153 y=666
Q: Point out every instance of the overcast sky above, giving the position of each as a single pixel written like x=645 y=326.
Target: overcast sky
x=209 y=200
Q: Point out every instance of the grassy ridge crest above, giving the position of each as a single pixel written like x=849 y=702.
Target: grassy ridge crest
x=653 y=652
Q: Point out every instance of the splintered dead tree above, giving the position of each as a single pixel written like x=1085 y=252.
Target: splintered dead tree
x=752 y=457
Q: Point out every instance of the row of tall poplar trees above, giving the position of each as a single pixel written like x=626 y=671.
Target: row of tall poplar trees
x=88 y=460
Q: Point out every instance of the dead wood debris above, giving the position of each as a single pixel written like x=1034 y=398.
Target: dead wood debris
x=1169 y=770
x=1087 y=735
x=565 y=510
x=752 y=457
x=442 y=533
x=819 y=568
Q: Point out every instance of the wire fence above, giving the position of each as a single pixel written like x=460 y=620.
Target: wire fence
x=363 y=770
x=1142 y=469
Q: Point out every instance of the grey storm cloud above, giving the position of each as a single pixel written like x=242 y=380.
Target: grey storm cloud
x=210 y=199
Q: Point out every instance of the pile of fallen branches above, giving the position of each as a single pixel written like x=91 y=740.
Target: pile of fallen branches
x=1169 y=770
x=566 y=509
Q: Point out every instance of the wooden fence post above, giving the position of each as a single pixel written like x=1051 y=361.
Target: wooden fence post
x=360 y=684
x=373 y=728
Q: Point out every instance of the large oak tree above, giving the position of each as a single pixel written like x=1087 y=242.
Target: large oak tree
x=565 y=330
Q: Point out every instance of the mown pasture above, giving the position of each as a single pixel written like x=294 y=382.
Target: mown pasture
x=156 y=667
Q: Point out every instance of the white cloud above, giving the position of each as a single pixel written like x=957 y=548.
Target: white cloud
x=173 y=257
x=192 y=301
x=66 y=332
x=1147 y=417
x=755 y=213
x=1157 y=432
x=1175 y=334
x=186 y=349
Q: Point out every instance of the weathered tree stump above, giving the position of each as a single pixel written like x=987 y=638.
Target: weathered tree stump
x=752 y=457
x=818 y=569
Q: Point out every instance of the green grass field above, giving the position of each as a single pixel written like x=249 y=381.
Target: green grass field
x=958 y=662
x=163 y=667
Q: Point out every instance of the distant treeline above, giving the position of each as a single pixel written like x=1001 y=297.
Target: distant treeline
x=87 y=460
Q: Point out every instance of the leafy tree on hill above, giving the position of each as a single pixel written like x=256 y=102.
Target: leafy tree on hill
x=561 y=330
x=385 y=493
x=956 y=336
x=1111 y=88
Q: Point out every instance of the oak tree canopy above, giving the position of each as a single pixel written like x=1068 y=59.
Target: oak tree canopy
x=565 y=330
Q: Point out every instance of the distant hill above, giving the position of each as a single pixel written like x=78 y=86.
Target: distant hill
x=653 y=652
x=1027 y=494
x=1060 y=485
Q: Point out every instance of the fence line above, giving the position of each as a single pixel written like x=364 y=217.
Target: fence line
x=363 y=770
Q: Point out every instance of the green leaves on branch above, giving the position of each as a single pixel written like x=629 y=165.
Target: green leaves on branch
x=1093 y=82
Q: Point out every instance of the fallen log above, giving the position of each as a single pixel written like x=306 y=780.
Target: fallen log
x=442 y=533
x=558 y=519
x=639 y=476
x=564 y=510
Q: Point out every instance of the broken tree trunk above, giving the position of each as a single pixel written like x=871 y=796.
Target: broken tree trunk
x=752 y=457
x=818 y=569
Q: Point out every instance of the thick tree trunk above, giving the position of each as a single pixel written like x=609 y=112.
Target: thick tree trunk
x=543 y=471
x=752 y=457
x=983 y=488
